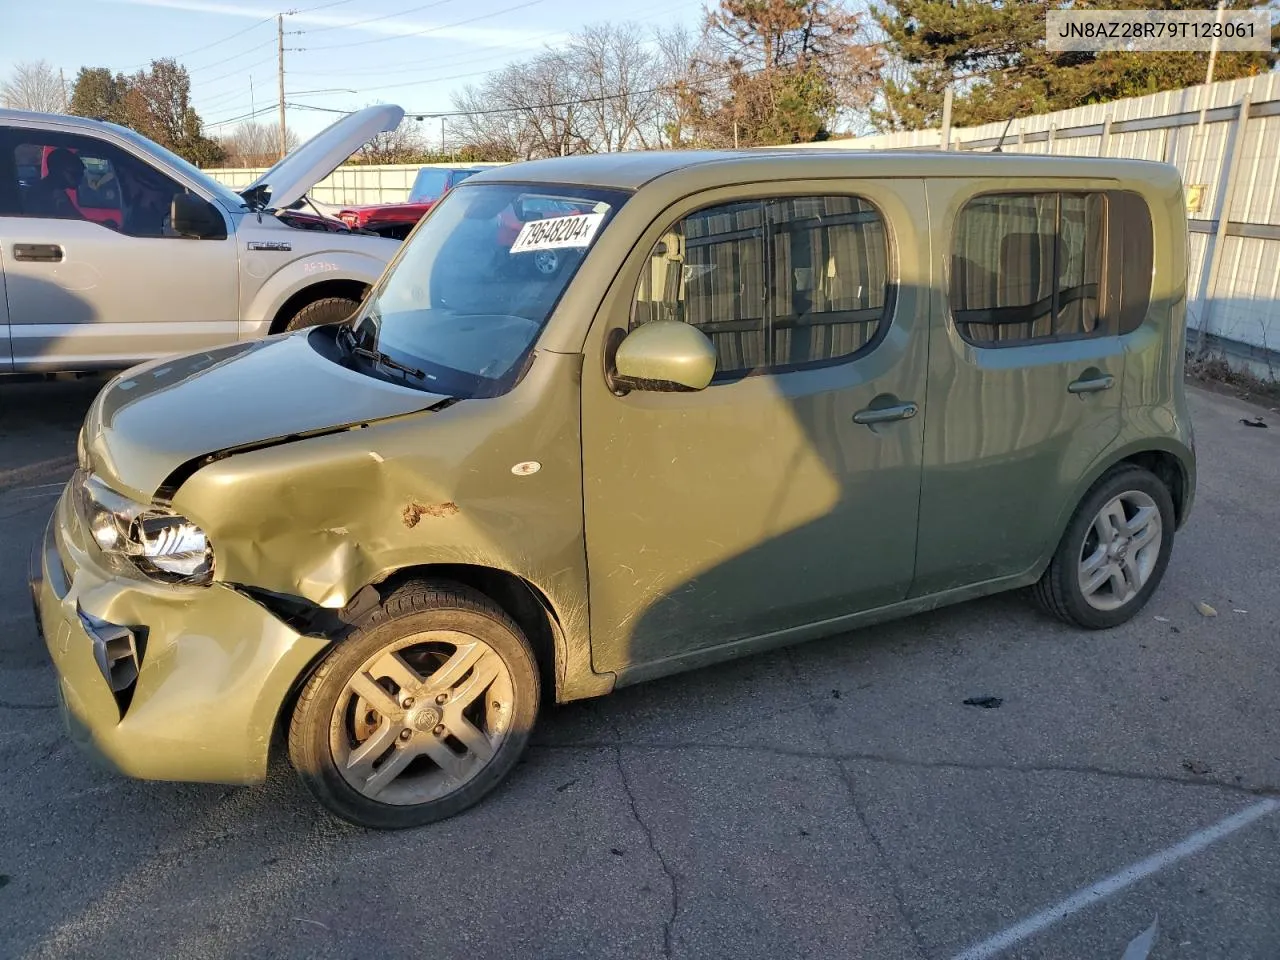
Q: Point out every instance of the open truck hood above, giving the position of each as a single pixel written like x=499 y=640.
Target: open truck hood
x=157 y=421
x=299 y=171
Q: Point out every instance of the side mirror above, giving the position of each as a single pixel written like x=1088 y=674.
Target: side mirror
x=192 y=217
x=665 y=356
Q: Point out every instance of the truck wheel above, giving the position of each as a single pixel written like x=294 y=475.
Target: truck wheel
x=328 y=310
x=1114 y=553
x=419 y=712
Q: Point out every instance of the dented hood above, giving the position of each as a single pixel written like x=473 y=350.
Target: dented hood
x=155 y=418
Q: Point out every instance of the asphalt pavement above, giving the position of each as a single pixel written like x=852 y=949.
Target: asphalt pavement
x=834 y=800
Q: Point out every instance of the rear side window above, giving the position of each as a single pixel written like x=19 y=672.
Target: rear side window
x=1031 y=267
x=776 y=285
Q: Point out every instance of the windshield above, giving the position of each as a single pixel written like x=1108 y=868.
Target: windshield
x=225 y=195
x=428 y=185
x=466 y=298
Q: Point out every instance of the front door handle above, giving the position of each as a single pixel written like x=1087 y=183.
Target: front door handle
x=1091 y=384
x=899 y=411
x=38 y=252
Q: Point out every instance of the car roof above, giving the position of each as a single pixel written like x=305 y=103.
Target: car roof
x=634 y=169
x=60 y=119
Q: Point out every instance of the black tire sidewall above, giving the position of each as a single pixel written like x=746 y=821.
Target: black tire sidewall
x=1066 y=563
x=309 y=733
x=320 y=312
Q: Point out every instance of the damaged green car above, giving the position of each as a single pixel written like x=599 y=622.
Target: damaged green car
x=613 y=417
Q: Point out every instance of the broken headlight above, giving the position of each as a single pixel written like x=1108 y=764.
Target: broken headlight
x=151 y=539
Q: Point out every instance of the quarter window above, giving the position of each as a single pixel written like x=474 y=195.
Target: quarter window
x=775 y=284
x=1029 y=267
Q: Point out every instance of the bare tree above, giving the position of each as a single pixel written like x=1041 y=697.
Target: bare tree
x=34 y=85
x=687 y=73
x=620 y=81
x=255 y=144
x=533 y=109
x=404 y=144
x=612 y=87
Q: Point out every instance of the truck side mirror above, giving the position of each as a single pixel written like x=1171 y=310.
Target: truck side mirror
x=190 y=216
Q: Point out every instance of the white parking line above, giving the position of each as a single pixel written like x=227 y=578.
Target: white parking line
x=1116 y=882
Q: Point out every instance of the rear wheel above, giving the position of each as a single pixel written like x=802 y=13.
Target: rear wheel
x=420 y=712
x=1114 y=552
x=328 y=310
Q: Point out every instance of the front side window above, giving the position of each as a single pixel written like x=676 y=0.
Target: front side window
x=69 y=177
x=467 y=297
x=776 y=284
x=1030 y=267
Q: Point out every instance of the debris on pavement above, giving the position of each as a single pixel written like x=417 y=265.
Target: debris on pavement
x=1140 y=946
x=1205 y=609
x=1255 y=422
x=1198 y=767
x=986 y=703
x=314 y=923
x=1239 y=611
x=1162 y=619
x=565 y=786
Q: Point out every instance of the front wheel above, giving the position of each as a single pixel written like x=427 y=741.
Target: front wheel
x=1114 y=552
x=328 y=310
x=420 y=712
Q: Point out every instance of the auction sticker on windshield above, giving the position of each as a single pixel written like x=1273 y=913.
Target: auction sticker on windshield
x=575 y=230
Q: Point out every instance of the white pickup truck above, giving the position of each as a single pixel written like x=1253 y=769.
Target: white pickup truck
x=113 y=250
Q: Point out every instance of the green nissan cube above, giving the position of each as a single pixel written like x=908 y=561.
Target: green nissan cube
x=607 y=418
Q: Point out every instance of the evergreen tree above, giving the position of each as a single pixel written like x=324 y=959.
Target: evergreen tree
x=994 y=53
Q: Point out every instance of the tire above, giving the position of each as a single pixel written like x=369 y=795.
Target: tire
x=1138 y=554
x=328 y=310
x=345 y=736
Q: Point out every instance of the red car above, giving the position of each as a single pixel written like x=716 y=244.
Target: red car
x=395 y=220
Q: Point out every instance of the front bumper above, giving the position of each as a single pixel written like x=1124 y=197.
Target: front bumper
x=210 y=667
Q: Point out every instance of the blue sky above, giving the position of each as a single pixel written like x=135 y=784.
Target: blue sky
x=341 y=54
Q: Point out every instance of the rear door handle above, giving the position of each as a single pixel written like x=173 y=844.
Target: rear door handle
x=899 y=411
x=38 y=252
x=1091 y=385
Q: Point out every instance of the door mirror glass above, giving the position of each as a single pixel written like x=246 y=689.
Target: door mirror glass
x=193 y=217
x=664 y=356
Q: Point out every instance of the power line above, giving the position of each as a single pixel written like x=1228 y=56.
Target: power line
x=435 y=64
x=603 y=98
x=207 y=46
x=436 y=29
x=386 y=16
x=239 y=70
x=322 y=6
x=247 y=116
x=235 y=56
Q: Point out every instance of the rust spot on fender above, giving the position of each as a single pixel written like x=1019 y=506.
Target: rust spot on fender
x=416 y=511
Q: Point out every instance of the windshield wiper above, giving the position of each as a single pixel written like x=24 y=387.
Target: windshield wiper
x=348 y=343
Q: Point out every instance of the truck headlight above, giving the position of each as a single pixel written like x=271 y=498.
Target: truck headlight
x=150 y=538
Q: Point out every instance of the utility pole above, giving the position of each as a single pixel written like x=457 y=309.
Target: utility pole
x=1213 y=48
x=280 y=79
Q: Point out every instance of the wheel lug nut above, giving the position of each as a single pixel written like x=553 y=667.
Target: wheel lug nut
x=406 y=734
x=439 y=730
x=408 y=702
x=442 y=698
